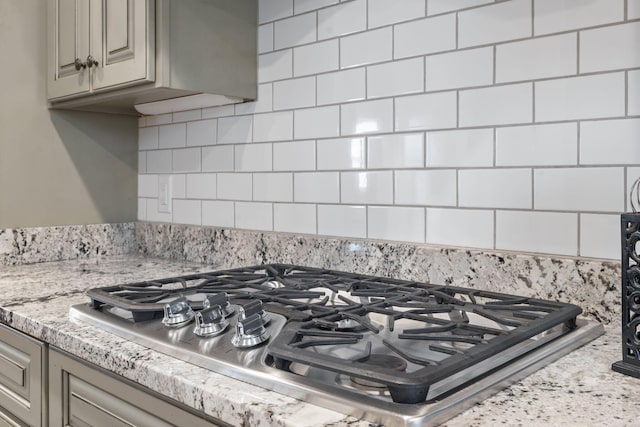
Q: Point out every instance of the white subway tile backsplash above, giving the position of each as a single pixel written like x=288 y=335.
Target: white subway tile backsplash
x=265 y=38
x=610 y=142
x=217 y=159
x=367 y=187
x=537 y=145
x=633 y=173
x=159 y=161
x=253 y=157
x=161 y=119
x=502 y=21
x=600 y=236
x=187 y=212
x=316 y=187
x=554 y=16
x=597 y=189
x=460 y=227
x=186 y=160
x=302 y=6
x=341 y=86
x=142 y=209
x=320 y=122
x=537 y=58
x=453 y=70
x=610 y=48
x=498 y=105
x=152 y=213
x=441 y=6
x=215 y=112
x=366 y=48
x=342 y=220
x=263 y=104
x=495 y=188
x=342 y=19
x=147 y=185
x=273 y=187
x=428 y=111
x=537 y=232
x=294 y=156
x=366 y=117
x=396 y=223
x=425 y=36
x=202 y=132
x=295 y=93
x=235 y=129
x=341 y=153
x=633 y=9
x=178 y=186
x=273 y=126
x=460 y=148
x=426 y=187
x=396 y=151
x=270 y=10
x=275 y=66
x=385 y=12
x=294 y=218
x=218 y=213
x=148 y=138
x=633 y=93
x=586 y=97
x=142 y=162
x=186 y=116
x=201 y=186
x=395 y=78
x=254 y=216
x=234 y=186
x=300 y=29
x=316 y=58
x=172 y=136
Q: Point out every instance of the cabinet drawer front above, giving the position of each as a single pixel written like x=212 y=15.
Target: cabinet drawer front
x=14 y=369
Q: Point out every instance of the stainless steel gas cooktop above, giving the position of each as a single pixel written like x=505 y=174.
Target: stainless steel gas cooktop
x=390 y=351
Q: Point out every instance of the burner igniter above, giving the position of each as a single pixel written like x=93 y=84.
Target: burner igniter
x=178 y=313
x=250 y=332
x=210 y=322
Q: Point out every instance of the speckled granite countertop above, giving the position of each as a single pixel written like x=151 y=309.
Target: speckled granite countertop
x=579 y=389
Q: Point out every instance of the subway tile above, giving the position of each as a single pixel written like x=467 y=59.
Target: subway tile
x=187 y=212
x=142 y=210
x=600 y=236
x=148 y=138
x=395 y=151
x=295 y=93
x=201 y=185
x=275 y=66
x=294 y=156
x=302 y=6
x=234 y=186
x=495 y=23
x=553 y=16
x=366 y=48
x=441 y=6
x=366 y=117
x=153 y=214
x=159 y=119
x=342 y=220
x=273 y=126
x=265 y=38
x=537 y=145
x=186 y=116
x=341 y=86
x=202 y=132
x=460 y=227
x=300 y=29
x=341 y=154
x=537 y=58
x=273 y=187
x=254 y=216
x=218 y=213
x=263 y=104
x=395 y=78
x=147 y=185
x=607 y=142
x=542 y=232
x=426 y=187
x=473 y=67
x=186 y=160
x=294 y=218
x=316 y=58
x=384 y=12
x=610 y=48
x=497 y=105
x=342 y=19
x=586 y=97
x=178 y=185
x=142 y=122
x=633 y=9
x=367 y=187
x=235 y=129
x=270 y=10
x=425 y=36
x=316 y=187
x=579 y=189
x=142 y=162
x=428 y=111
x=172 y=136
x=319 y=122
x=216 y=112
x=217 y=159
x=460 y=148
x=159 y=161
x=495 y=188
x=633 y=173
x=633 y=93
x=396 y=223
x=253 y=157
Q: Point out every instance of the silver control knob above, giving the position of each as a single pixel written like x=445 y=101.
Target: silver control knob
x=178 y=313
x=222 y=300
x=210 y=322
x=250 y=332
x=254 y=307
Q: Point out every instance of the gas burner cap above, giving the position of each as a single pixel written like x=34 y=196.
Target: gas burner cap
x=177 y=313
x=222 y=300
x=251 y=308
x=273 y=284
x=210 y=322
x=250 y=332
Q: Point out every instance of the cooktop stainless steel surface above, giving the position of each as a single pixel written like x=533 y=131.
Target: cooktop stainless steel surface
x=389 y=351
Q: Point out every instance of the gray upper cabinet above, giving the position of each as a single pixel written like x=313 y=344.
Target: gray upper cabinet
x=109 y=55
